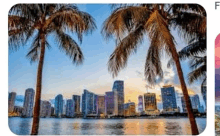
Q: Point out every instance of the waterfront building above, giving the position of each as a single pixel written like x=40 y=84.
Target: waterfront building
x=52 y=111
x=150 y=101
x=28 y=103
x=76 y=104
x=201 y=109
x=70 y=108
x=101 y=105
x=58 y=105
x=11 y=101
x=111 y=103
x=140 y=103
x=119 y=87
x=88 y=103
x=183 y=105
x=203 y=91
x=18 y=110
x=45 y=109
x=195 y=101
x=168 y=98
x=129 y=109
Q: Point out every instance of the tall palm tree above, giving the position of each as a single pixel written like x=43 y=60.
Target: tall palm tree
x=198 y=66
x=130 y=23
x=34 y=22
x=196 y=48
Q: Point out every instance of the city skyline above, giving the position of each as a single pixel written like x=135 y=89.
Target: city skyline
x=159 y=104
x=61 y=77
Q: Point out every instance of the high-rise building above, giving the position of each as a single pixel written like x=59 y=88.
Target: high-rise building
x=52 y=111
x=58 y=105
x=183 y=105
x=195 y=101
x=76 y=103
x=119 y=87
x=101 y=105
x=203 y=91
x=168 y=98
x=11 y=101
x=201 y=109
x=28 y=103
x=111 y=103
x=45 y=109
x=70 y=108
x=129 y=109
x=140 y=103
x=88 y=103
x=150 y=101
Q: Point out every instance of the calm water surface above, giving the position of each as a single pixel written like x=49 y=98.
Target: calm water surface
x=64 y=126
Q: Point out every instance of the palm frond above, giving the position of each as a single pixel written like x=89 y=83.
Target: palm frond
x=153 y=67
x=70 y=47
x=124 y=20
x=199 y=73
x=128 y=45
x=69 y=17
x=197 y=61
x=34 y=52
x=161 y=38
x=190 y=25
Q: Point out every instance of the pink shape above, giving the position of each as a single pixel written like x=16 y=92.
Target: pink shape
x=217 y=52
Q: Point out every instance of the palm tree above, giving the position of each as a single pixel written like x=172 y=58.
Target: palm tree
x=198 y=66
x=196 y=48
x=130 y=23
x=34 y=22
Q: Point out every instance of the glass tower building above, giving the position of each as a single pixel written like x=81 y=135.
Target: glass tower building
x=119 y=87
x=28 y=102
x=58 y=105
x=70 y=108
x=76 y=103
x=168 y=98
x=11 y=101
x=150 y=101
x=88 y=103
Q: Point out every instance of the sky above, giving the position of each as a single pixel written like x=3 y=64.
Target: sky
x=60 y=76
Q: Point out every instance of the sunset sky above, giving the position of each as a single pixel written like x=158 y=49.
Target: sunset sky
x=60 y=76
x=217 y=70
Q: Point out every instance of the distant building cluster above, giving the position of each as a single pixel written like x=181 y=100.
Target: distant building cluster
x=110 y=104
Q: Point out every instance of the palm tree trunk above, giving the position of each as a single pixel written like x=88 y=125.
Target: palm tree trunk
x=191 y=117
x=36 y=113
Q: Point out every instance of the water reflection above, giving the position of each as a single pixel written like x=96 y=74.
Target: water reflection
x=52 y=126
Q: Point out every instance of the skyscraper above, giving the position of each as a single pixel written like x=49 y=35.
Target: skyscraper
x=45 y=109
x=88 y=103
x=203 y=91
x=28 y=102
x=195 y=101
x=76 y=103
x=140 y=103
x=168 y=98
x=183 y=105
x=11 y=101
x=101 y=105
x=58 y=105
x=129 y=109
x=119 y=87
x=111 y=103
x=70 y=108
x=150 y=101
